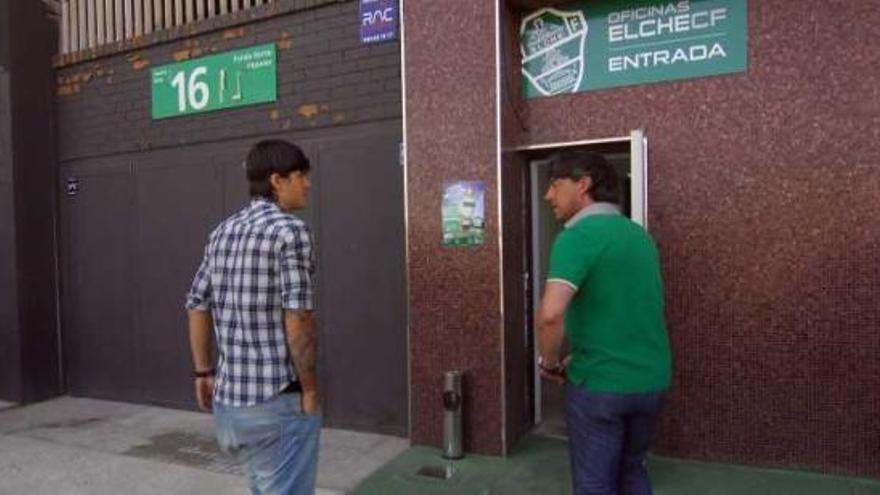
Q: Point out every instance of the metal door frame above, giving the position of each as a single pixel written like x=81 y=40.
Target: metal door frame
x=638 y=204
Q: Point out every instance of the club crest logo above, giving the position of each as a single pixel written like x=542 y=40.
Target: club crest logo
x=553 y=46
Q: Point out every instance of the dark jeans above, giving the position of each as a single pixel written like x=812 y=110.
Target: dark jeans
x=609 y=435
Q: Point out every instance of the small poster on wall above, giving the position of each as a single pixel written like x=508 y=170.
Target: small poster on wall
x=464 y=217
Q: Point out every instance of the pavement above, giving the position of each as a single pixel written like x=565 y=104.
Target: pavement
x=539 y=466
x=86 y=446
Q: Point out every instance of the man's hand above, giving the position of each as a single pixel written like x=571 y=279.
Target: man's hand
x=205 y=393
x=557 y=377
x=555 y=374
x=201 y=331
x=310 y=402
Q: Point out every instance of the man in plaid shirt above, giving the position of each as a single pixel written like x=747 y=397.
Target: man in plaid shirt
x=253 y=293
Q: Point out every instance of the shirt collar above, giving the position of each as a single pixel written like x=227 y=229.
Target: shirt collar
x=261 y=202
x=600 y=208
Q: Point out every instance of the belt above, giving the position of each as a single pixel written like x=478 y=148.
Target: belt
x=292 y=388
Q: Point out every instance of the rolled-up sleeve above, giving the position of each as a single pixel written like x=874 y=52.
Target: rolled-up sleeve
x=297 y=270
x=199 y=296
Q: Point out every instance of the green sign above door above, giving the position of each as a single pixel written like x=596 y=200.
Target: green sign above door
x=591 y=45
x=226 y=80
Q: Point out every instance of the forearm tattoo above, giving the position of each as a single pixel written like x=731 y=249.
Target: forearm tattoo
x=303 y=342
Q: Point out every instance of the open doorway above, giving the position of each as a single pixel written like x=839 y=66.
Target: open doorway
x=628 y=156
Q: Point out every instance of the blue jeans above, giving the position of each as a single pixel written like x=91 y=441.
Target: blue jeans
x=274 y=441
x=609 y=435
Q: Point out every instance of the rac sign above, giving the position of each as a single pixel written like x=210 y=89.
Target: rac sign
x=370 y=18
x=378 y=20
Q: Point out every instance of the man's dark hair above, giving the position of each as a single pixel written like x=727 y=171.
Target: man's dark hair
x=574 y=165
x=272 y=156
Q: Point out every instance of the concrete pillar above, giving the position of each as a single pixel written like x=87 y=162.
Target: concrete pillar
x=29 y=338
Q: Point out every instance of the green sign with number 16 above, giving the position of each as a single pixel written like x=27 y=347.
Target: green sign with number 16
x=227 y=80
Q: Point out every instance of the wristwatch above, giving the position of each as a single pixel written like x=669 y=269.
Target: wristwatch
x=556 y=368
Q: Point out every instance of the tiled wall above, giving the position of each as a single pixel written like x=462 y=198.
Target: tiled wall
x=455 y=309
x=763 y=198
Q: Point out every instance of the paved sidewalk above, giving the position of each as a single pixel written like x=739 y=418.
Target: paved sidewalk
x=86 y=446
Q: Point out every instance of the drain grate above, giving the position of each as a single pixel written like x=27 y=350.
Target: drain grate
x=188 y=449
x=436 y=471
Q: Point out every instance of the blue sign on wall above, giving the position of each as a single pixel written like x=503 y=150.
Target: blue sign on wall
x=378 y=20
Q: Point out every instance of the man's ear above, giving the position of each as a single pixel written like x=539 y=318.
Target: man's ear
x=275 y=180
x=584 y=184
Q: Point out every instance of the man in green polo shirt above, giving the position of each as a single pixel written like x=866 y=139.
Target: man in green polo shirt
x=604 y=294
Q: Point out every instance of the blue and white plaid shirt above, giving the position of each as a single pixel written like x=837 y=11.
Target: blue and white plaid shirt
x=257 y=263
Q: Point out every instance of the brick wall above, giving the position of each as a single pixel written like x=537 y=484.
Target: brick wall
x=326 y=77
x=143 y=182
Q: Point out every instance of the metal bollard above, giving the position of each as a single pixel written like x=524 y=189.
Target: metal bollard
x=452 y=448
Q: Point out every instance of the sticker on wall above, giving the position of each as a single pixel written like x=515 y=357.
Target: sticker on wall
x=463 y=213
x=591 y=45
x=378 y=20
x=72 y=186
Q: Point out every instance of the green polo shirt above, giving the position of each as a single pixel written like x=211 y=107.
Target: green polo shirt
x=615 y=322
